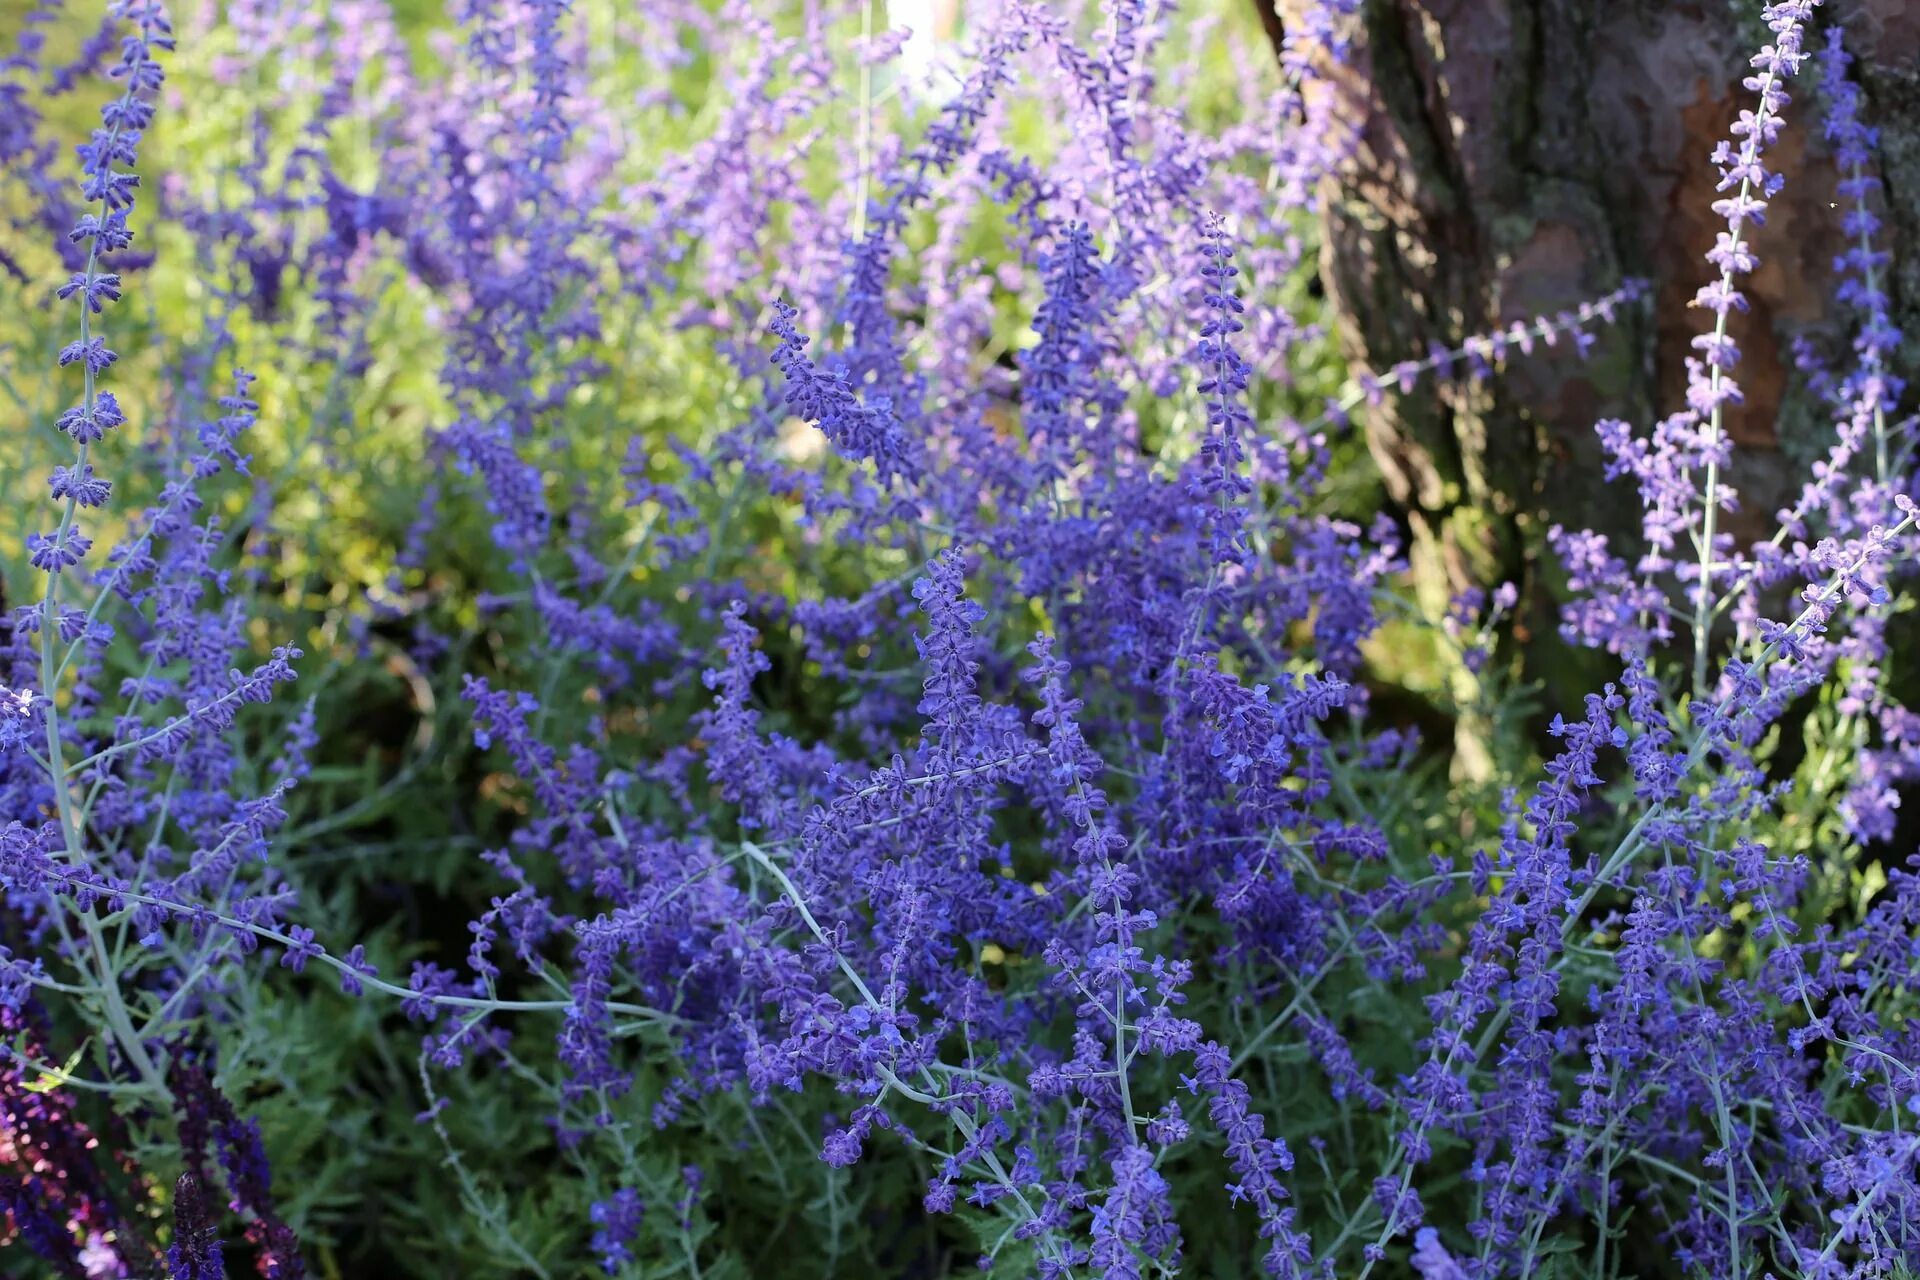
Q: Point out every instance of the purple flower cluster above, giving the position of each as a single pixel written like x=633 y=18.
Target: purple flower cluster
x=947 y=736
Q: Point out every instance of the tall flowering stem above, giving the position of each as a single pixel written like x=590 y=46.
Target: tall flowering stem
x=1853 y=143
x=104 y=229
x=1866 y=394
x=1223 y=381
x=1710 y=385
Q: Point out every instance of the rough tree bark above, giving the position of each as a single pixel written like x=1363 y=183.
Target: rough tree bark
x=1516 y=156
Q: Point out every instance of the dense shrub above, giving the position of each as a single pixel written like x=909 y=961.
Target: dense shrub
x=702 y=639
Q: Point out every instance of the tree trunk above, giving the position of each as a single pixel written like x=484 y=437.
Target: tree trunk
x=1514 y=157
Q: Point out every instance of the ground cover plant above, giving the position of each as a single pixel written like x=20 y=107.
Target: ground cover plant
x=716 y=639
